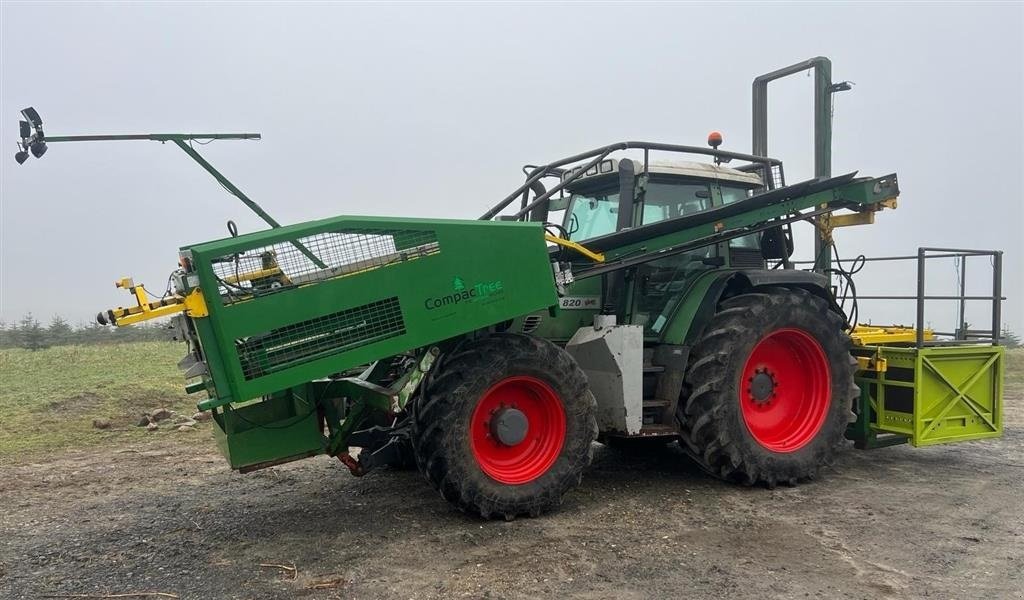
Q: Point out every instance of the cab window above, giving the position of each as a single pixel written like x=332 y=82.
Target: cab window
x=593 y=214
x=663 y=201
x=732 y=194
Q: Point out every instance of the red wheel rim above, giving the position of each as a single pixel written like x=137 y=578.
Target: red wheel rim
x=530 y=458
x=785 y=390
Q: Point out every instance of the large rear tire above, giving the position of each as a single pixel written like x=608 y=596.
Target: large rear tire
x=770 y=388
x=504 y=426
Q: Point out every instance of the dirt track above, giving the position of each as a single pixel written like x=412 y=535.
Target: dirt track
x=168 y=516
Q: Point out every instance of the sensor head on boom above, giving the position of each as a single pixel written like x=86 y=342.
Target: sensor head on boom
x=32 y=139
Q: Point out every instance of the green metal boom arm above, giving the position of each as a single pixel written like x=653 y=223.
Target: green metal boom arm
x=181 y=140
x=804 y=201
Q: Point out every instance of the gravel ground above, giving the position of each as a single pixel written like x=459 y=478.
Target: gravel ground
x=167 y=516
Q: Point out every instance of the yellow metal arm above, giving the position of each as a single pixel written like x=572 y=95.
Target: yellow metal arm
x=594 y=256
x=192 y=304
x=865 y=216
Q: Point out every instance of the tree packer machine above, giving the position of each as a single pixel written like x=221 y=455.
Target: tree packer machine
x=662 y=307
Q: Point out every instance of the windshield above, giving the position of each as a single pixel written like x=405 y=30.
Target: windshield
x=593 y=214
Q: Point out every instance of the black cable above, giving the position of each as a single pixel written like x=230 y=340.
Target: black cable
x=562 y=230
x=226 y=189
x=847 y=289
x=215 y=178
x=228 y=286
x=152 y=295
x=167 y=289
x=818 y=256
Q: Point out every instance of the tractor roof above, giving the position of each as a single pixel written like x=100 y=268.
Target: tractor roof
x=695 y=170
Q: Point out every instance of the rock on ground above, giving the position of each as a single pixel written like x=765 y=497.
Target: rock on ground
x=159 y=414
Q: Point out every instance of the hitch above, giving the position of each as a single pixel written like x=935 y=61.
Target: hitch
x=380 y=445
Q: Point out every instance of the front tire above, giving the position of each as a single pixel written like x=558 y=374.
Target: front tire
x=504 y=426
x=771 y=388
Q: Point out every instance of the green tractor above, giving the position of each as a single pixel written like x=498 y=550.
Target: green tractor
x=636 y=301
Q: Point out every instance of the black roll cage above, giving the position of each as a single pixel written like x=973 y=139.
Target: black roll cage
x=769 y=168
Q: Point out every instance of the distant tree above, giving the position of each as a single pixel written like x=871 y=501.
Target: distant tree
x=92 y=333
x=7 y=335
x=31 y=334
x=1010 y=339
x=59 y=332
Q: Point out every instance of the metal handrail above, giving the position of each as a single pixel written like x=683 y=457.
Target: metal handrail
x=926 y=253
x=951 y=254
x=997 y=288
x=597 y=155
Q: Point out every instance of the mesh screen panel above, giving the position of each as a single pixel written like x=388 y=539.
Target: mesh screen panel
x=284 y=265
x=309 y=340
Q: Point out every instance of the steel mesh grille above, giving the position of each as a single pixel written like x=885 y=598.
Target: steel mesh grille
x=316 y=338
x=285 y=265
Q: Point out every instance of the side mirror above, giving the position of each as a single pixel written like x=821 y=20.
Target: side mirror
x=776 y=244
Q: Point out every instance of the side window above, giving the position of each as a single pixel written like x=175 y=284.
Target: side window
x=593 y=215
x=664 y=201
x=732 y=194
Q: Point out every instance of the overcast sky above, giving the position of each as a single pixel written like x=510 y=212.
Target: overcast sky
x=431 y=110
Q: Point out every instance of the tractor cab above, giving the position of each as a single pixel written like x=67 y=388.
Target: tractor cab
x=663 y=191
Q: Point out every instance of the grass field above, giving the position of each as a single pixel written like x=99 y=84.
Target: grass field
x=49 y=398
x=1015 y=372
